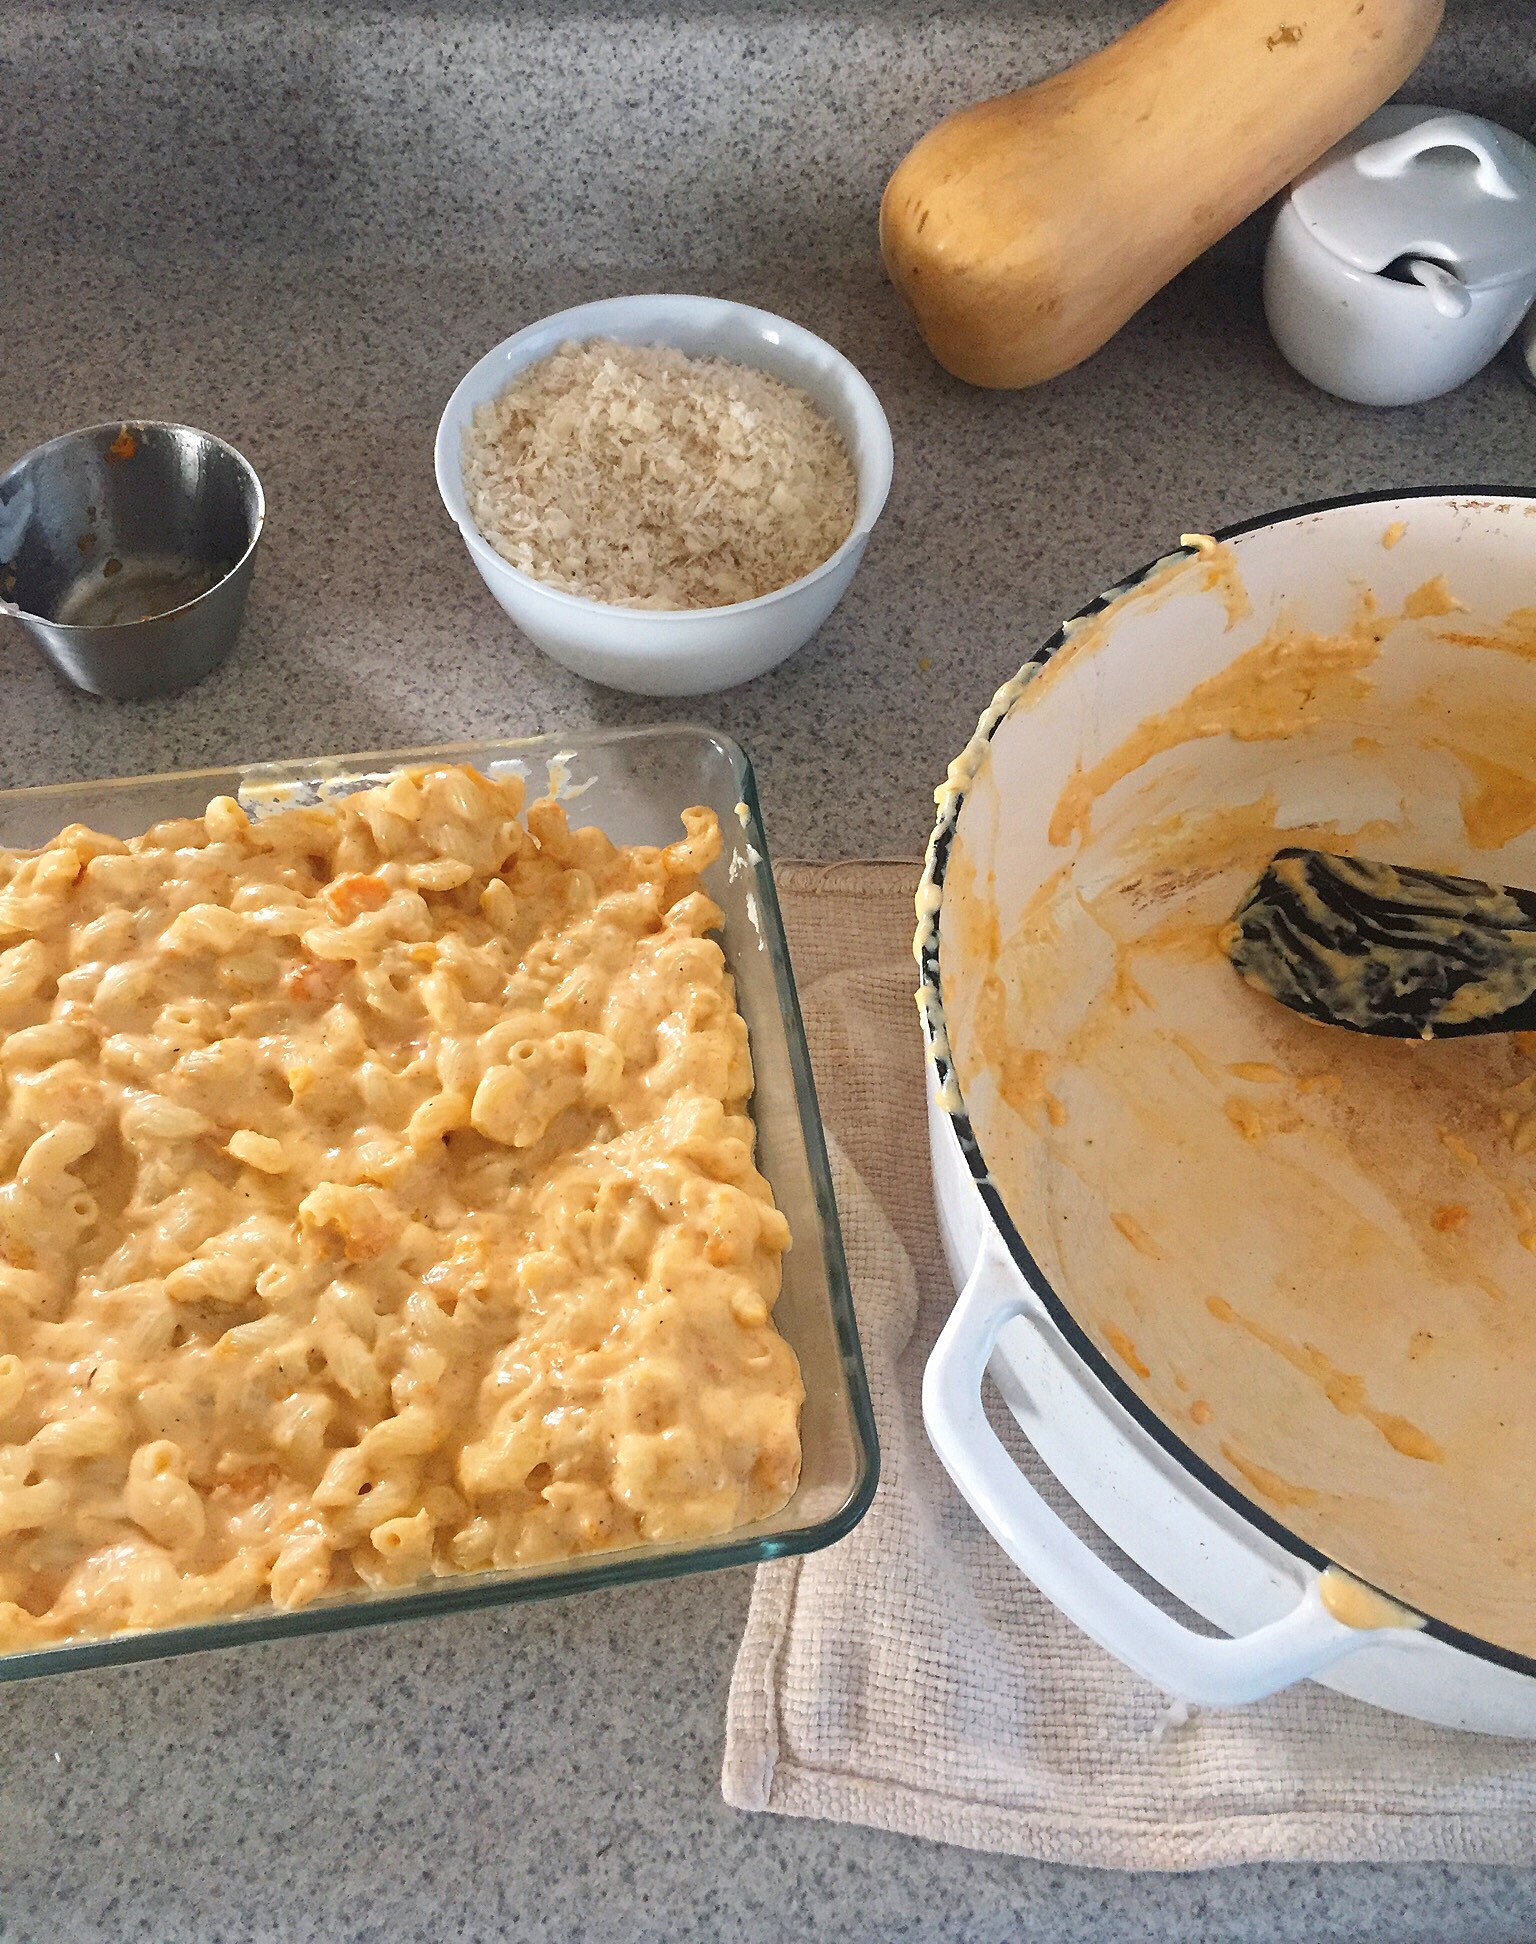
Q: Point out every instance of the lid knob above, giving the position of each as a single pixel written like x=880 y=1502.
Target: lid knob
x=1421 y=183
x=1495 y=176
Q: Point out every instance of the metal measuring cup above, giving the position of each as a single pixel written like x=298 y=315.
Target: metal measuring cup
x=126 y=553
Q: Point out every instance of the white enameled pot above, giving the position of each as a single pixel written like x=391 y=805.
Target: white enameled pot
x=1214 y=1547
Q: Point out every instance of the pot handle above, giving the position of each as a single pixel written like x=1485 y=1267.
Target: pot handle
x=1193 y=1667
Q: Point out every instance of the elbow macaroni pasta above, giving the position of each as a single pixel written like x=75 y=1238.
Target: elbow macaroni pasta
x=377 y=1200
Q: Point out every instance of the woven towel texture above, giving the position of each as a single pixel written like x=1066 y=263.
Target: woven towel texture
x=911 y=1679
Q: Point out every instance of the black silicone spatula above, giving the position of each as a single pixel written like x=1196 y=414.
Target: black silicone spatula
x=1381 y=949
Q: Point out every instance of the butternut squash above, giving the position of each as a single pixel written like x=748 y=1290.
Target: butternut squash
x=1023 y=232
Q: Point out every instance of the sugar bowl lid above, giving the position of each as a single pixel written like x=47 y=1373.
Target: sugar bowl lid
x=1418 y=182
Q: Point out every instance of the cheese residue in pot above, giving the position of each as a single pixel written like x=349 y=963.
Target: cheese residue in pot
x=636 y=475
x=1307 y=1250
x=1362 y=1607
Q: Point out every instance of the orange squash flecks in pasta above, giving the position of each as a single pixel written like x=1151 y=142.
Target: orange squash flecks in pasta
x=377 y=1199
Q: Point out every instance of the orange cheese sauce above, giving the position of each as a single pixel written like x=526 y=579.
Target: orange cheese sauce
x=377 y=1203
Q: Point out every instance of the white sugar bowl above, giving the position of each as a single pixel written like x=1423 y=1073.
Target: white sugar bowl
x=1405 y=259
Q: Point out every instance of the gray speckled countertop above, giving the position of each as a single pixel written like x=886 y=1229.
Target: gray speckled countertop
x=369 y=628
x=298 y=226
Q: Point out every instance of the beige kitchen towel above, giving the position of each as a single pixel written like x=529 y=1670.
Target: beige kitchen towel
x=910 y=1678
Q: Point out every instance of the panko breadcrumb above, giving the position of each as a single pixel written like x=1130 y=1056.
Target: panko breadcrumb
x=636 y=475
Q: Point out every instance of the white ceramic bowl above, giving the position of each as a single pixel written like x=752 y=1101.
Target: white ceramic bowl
x=688 y=651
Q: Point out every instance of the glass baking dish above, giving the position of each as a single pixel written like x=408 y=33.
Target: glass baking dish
x=634 y=783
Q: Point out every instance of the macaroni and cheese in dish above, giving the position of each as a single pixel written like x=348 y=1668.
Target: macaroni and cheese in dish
x=377 y=1200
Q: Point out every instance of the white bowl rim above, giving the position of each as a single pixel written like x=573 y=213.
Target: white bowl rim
x=578 y=321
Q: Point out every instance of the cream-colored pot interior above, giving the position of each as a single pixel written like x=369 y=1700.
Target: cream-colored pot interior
x=1313 y=1254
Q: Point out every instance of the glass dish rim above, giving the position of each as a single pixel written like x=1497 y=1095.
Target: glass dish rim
x=468 y=1592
